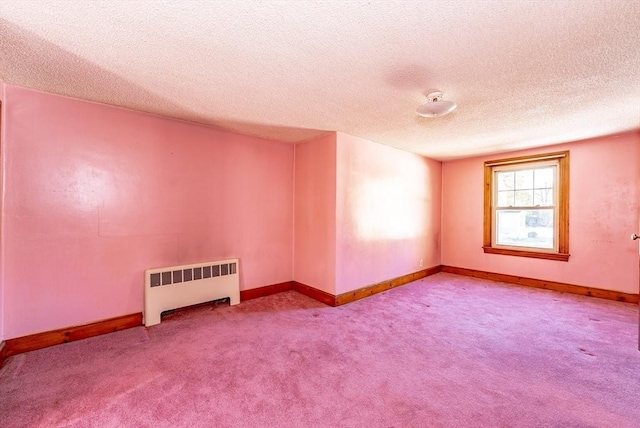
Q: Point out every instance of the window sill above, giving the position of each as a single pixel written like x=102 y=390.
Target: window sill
x=561 y=257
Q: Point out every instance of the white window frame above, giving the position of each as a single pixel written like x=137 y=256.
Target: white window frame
x=520 y=167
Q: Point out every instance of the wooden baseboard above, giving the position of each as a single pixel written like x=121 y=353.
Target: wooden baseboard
x=370 y=290
x=2 y=353
x=70 y=334
x=361 y=293
x=314 y=293
x=549 y=285
x=268 y=290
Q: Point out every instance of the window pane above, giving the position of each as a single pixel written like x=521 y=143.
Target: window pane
x=543 y=197
x=524 y=198
x=544 y=177
x=505 y=198
x=505 y=180
x=525 y=228
x=524 y=179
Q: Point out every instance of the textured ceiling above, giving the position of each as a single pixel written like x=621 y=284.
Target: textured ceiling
x=524 y=73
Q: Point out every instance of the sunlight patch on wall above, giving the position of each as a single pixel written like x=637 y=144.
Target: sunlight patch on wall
x=388 y=208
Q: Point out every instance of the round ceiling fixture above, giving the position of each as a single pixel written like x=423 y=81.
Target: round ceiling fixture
x=436 y=106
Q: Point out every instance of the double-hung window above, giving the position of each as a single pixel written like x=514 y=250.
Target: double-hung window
x=527 y=206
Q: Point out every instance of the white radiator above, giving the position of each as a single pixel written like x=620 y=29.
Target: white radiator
x=179 y=286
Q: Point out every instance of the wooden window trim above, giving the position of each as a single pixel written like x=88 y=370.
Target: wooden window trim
x=563 y=207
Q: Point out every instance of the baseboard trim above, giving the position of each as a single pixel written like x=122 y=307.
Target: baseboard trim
x=361 y=293
x=548 y=285
x=70 y=334
x=2 y=352
x=56 y=337
x=314 y=293
x=370 y=290
x=267 y=290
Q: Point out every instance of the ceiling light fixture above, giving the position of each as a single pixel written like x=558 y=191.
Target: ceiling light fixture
x=436 y=106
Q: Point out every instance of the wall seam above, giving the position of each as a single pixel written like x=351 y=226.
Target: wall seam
x=3 y=180
x=293 y=212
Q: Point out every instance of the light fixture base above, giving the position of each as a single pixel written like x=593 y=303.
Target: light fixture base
x=435 y=96
x=435 y=105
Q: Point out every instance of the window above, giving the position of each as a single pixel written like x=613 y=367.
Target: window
x=526 y=206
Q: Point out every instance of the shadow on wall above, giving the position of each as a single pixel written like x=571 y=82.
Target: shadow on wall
x=30 y=61
x=35 y=63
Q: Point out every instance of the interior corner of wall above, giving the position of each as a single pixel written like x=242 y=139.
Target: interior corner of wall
x=2 y=204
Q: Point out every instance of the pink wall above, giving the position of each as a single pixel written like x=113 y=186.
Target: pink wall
x=96 y=194
x=604 y=211
x=2 y=157
x=388 y=210
x=315 y=213
x=364 y=213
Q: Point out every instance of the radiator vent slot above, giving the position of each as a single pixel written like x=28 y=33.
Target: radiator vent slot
x=192 y=274
x=155 y=279
x=178 y=286
x=177 y=276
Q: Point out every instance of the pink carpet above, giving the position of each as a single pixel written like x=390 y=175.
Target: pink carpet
x=445 y=351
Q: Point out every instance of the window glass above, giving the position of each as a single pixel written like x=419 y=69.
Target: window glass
x=525 y=228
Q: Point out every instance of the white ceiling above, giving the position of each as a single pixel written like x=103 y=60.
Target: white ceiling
x=524 y=73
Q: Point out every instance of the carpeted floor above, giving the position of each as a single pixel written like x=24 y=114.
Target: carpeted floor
x=445 y=351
